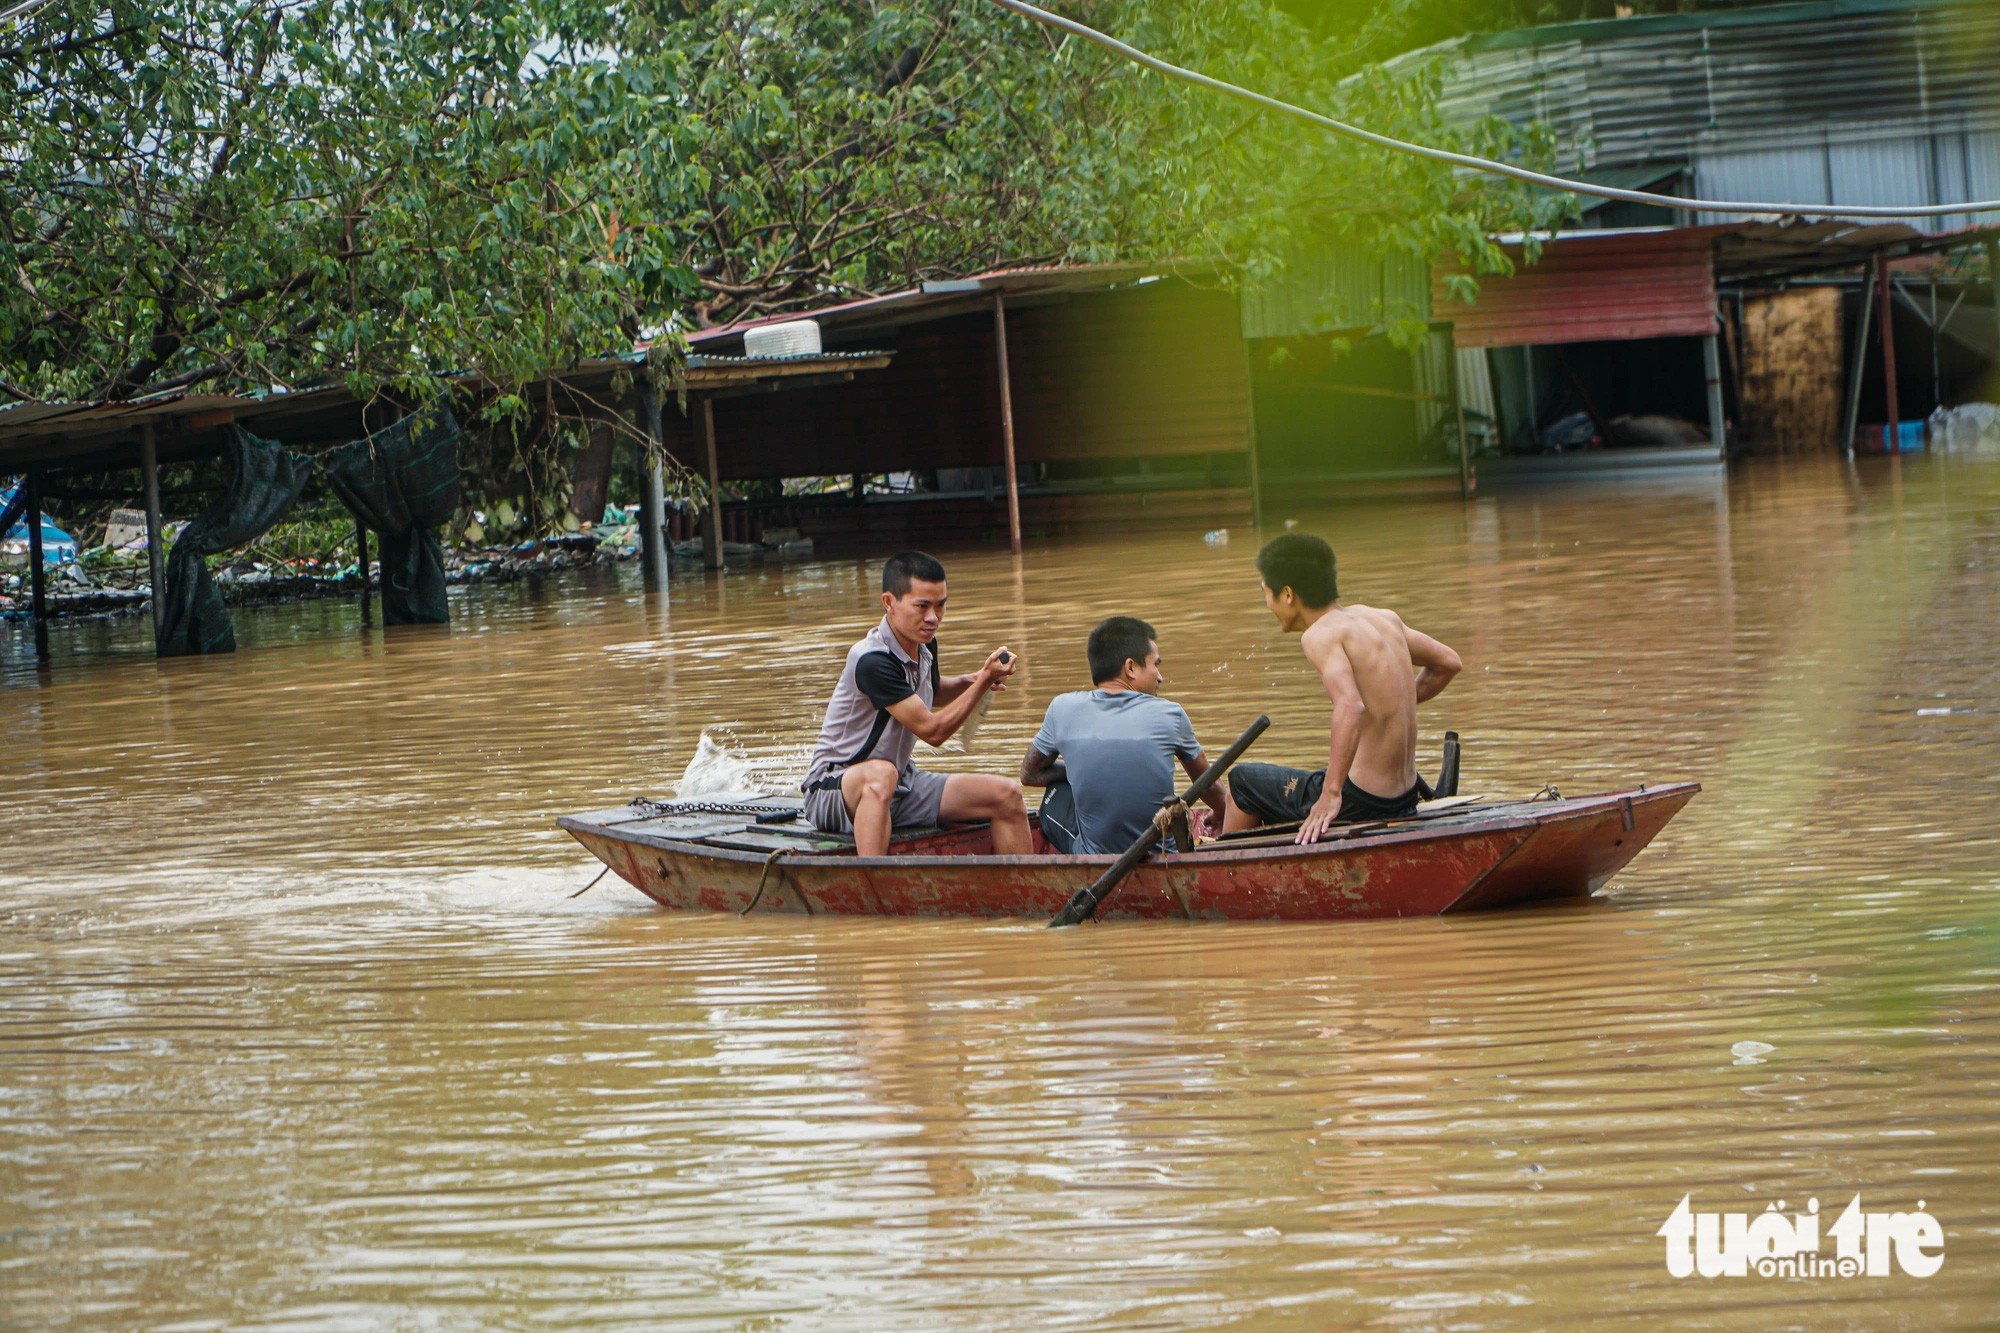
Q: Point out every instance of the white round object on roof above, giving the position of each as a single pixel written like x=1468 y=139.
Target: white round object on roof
x=799 y=337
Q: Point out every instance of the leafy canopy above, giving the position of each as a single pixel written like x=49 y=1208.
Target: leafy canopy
x=247 y=193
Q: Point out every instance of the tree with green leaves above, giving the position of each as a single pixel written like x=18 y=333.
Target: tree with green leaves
x=245 y=194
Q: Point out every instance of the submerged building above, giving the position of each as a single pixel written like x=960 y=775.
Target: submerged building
x=1684 y=317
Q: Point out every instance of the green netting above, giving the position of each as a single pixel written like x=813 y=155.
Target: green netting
x=403 y=483
x=264 y=483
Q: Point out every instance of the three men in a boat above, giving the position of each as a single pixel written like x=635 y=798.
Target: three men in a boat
x=1108 y=753
x=1114 y=745
x=891 y=695
x=1376 y=671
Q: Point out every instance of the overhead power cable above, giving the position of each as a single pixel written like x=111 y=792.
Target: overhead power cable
x=15 y=13
x=1172 y=71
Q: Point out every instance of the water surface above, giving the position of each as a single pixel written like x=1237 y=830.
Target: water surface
x=300 y=1029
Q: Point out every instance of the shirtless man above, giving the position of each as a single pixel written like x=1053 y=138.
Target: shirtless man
x=891 y=695
x=1376 y=670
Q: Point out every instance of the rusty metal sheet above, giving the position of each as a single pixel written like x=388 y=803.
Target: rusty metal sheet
x=1591 y=288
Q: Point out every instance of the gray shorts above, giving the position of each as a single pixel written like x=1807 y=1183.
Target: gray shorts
x=915 y=805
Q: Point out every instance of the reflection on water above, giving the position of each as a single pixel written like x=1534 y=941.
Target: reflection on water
x=302 y=1031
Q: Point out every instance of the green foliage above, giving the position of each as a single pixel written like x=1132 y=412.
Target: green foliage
x=247 y=193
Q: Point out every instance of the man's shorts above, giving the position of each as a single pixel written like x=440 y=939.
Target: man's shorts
x=1280 y=795
x=915 y=804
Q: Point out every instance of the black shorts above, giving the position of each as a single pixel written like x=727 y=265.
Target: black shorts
x=1280 y=795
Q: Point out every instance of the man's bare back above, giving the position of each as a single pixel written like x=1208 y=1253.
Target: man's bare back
x=1376 y=671
x=1368 y=647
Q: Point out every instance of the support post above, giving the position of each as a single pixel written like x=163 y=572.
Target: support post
x=1851 y=422
x=38 y=583
x=1458 y=409
x=361 y=568
x=711 y=519
x=1711 y=360
x=156 y=560
x=1993 y=290
x=653 y=564
x=1884 y=303
x=1007 y=424
x=1250 y=409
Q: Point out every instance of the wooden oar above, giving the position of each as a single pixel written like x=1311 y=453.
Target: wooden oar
x=1084 y=902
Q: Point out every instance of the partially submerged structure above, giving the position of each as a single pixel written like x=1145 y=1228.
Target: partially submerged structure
x=394 y=467
x=1084 y=393
x=1687 y=315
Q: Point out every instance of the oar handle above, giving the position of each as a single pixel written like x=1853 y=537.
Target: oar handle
x=1084 y=902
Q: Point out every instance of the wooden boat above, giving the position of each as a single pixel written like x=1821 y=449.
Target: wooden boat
x=1456 y=855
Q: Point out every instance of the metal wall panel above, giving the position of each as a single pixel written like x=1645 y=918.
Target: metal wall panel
x=1677 y=87
x=1337 y=290
x=1884 y=171
x=1795 y=175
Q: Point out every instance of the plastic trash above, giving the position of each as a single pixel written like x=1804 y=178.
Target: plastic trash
x=1218 y=537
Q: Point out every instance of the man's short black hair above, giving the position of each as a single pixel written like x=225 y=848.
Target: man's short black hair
x=1116 y=641
x=1303 y=563
x=909 y=567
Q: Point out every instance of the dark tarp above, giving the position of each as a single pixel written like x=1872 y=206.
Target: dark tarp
x=403 y=483
x=265 y=482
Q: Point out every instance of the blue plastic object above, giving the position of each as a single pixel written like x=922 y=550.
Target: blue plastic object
x=58 y=547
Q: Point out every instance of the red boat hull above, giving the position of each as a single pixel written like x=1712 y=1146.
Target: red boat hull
x=1468 y=858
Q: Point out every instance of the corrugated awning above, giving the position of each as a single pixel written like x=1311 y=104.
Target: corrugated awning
x=956 y=296
x=1591 y=288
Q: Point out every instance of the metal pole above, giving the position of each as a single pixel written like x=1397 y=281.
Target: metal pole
x=38 y=589
x=653 y=565
x=1883 y=299
x=1862 y=327
x=156 y=560
x=1711 y=360
x=1007 y=425
x=711 y=519
x=1937 y=365
x=1458 y=407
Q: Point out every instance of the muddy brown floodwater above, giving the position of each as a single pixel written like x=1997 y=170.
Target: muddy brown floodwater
x=302 y=1031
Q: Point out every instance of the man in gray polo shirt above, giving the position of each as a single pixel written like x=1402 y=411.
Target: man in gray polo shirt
x=889 y=697
x=1117 y=744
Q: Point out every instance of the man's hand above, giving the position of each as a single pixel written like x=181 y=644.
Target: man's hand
x=999 y=666
x=1324 y=811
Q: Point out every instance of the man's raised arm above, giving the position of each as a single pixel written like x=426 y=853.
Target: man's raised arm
x=936 y=726
x=1436 y=663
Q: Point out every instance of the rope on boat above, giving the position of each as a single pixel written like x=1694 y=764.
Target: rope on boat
x=1164 y=819
x=765 y=878
x=593 y=884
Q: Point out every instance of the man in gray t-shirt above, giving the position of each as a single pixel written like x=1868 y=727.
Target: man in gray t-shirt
x=1117 y=745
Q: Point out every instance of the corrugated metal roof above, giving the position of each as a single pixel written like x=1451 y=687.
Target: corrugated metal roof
x=718 y=361
x=1630 y=91
x=1658 y=282
x=106 y=434
x=937 y=300
x=1591 y=288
